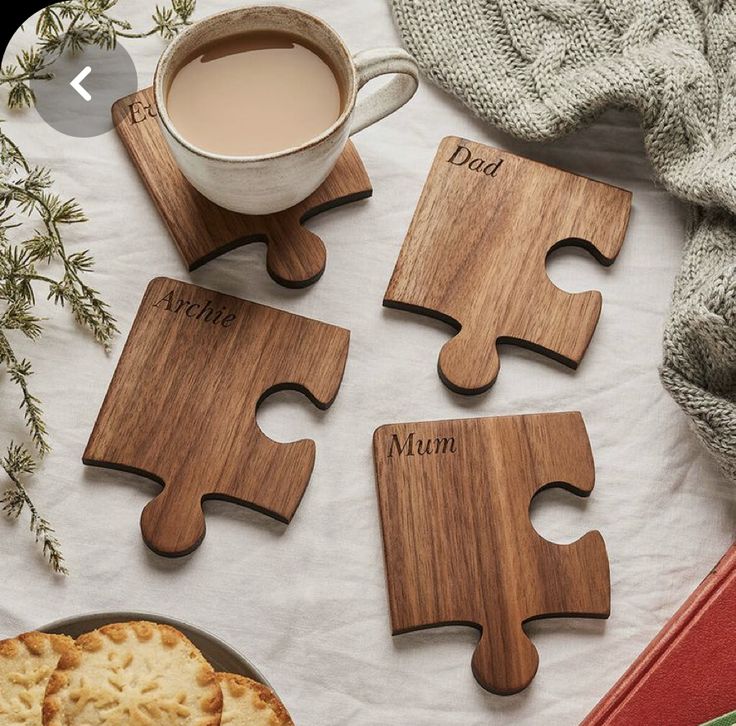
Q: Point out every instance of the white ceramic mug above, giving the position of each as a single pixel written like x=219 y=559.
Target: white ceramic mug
x=272 y=182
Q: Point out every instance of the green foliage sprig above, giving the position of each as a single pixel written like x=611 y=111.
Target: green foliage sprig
x=73 y=24
x=26 y=200
x=19 y=462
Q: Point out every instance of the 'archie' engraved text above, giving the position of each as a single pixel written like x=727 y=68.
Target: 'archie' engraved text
x=463 y=155
x=205 y=313
x=421 y=447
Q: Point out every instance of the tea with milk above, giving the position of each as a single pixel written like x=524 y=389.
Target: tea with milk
x=254 y=93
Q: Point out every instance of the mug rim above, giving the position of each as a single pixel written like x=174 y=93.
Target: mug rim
x=198 y=150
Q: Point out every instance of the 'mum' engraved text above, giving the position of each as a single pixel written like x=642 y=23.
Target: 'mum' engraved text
x=421 y=447
x=196 y=311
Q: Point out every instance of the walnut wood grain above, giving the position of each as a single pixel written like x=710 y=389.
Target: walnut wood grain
x=202 y=230
x=459 y=547
x=475 y=253
x=181 y=407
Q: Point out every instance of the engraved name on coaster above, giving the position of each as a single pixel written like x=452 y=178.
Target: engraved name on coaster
x=463 y=156
x=200 y=311
x=408 y=445
x=202 y=231
x=459 y=546
x=475 y=254
x=181 y=407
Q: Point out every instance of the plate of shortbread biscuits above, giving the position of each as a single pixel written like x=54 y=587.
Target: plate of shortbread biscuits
x=121 y=669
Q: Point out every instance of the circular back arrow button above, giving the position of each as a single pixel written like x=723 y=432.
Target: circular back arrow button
x=76 y=83
x=77 y=100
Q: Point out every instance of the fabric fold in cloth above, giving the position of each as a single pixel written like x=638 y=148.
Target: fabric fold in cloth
x=541 y=69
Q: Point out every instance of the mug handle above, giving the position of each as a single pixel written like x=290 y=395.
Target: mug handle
x=379 y=104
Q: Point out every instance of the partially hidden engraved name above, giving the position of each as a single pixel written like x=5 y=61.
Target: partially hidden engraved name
x=463 y=156
x=412 y=446
x=204 y=313
x=141 y=111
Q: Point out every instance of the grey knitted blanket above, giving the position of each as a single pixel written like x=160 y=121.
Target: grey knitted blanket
x=541 y=68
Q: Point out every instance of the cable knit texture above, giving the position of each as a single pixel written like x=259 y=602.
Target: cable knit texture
x=541 y=68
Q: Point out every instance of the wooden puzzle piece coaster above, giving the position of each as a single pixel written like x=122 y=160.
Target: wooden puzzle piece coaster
x=475 y=255
x=202 y=230
x=181 y=407
x=459 y=546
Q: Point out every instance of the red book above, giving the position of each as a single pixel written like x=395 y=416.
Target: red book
x=687 y=674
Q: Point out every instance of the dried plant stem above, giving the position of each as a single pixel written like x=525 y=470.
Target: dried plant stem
x=72 y=25
x=25 y=195
x=18 y=461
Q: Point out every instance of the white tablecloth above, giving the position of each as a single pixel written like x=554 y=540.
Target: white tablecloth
x=307 y=603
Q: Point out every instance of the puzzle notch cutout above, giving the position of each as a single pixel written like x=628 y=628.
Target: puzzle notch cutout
x=202 y=230
x=181 y=407
x=475 y=253
x=459 y=546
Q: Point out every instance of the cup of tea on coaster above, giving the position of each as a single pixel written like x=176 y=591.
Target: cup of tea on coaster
x=257 y=103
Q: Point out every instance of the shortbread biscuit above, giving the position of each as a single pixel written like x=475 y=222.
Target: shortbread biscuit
x=26 y=664
x=133 y=674
x=249 y=703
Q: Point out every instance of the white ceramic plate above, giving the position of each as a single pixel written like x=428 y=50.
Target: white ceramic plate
x=222 y=657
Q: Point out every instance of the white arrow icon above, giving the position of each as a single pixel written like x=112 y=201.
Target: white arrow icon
x=76 y=83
